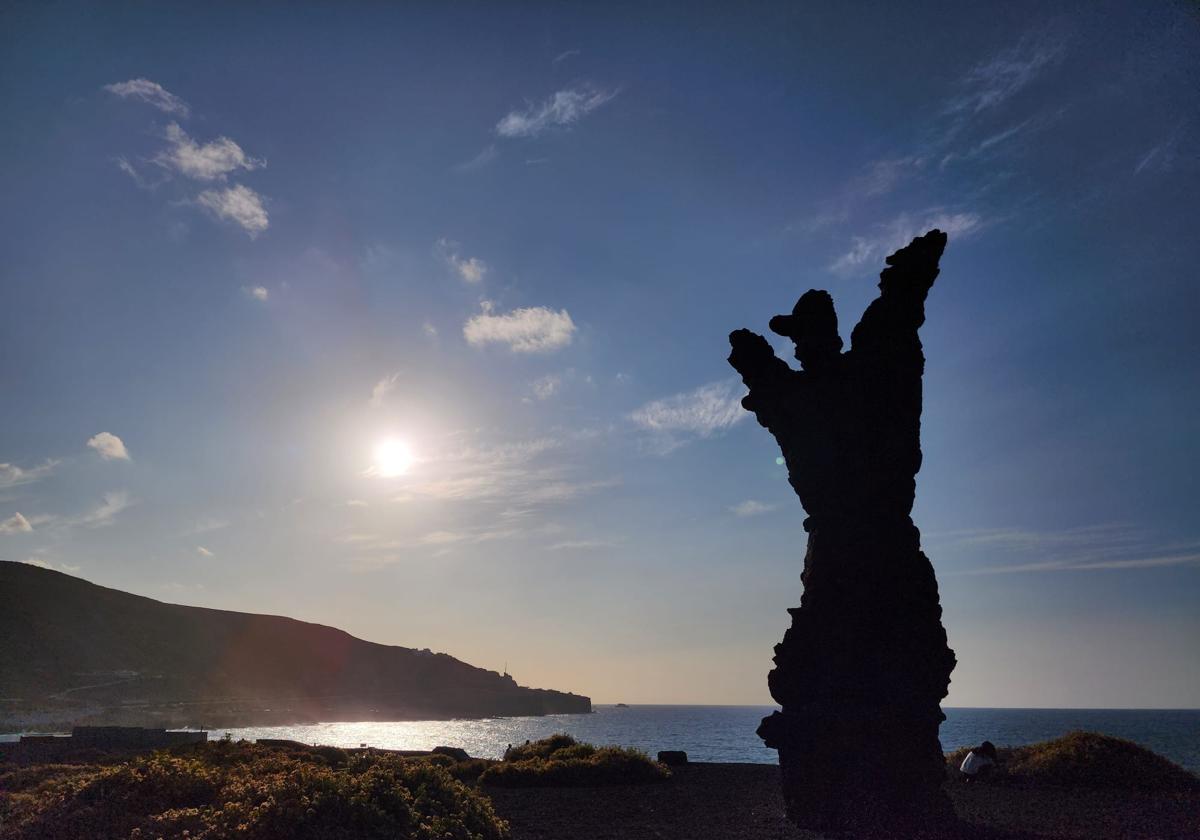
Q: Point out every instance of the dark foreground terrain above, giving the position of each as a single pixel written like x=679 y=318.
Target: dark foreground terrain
x=1082 y=785
x=742 y=801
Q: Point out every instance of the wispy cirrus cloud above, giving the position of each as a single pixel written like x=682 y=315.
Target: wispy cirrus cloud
x=204 y=526
x=488 y=154
x=1105 y=547
x=12 y=476
x=534 y=329
x=106 y=512
x=1000 y=77
x=867 y=252
x=561 y=110
x=467 y=490
x=152 y=93
x=974 y=124
x=583 y=545
x=1163 y=157
x=701 y=413
x=238 y=204
x=138 y=178
x=520 y=475
x=382 y=388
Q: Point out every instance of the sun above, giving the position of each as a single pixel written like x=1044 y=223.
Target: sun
x=392 y=457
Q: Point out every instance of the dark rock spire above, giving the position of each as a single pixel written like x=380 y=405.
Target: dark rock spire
x=863 y=668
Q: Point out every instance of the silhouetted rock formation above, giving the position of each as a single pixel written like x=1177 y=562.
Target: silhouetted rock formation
x=860 y=673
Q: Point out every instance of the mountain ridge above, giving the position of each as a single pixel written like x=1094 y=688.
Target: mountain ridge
x=78 y=652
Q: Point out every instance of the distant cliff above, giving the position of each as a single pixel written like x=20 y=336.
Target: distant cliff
x=76 y=652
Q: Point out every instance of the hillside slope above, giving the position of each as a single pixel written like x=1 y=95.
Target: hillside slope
x=81 y=652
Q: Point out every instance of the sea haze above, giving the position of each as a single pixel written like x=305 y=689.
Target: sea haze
x=726 y=733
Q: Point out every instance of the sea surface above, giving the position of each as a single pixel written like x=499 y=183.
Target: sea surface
x=726 y=733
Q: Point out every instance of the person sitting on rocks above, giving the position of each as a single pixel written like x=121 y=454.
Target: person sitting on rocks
x=979 y=762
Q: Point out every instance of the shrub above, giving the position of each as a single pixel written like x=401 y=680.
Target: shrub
x=1091 y=760
x=254 y=793
x=560 y=761
x=544 y=748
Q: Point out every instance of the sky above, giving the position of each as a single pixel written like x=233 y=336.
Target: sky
x=411 y=320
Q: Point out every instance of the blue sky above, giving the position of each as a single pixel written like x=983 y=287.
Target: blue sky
x=244 y=245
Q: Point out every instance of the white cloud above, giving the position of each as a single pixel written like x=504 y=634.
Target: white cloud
x=470 y=269
x=151 y=93
x=111 y=504
x=203 y=552
x=867 y=251
x=429 y=330
x=259 y=293
x=109 y=446
x=356 y=503
x=15 y=524
x=534 y=329
x=382 y=388
x=702 y=413
x=238 y=204
x=208 y=162
x=11 y=475
x=563 y=56
x=750 y=507
x=564 y=108
x=546 y=386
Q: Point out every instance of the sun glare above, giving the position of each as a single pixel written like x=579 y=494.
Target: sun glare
x=392 y=458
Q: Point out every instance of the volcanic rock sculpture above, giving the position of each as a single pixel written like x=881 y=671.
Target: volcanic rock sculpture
x=860 y=673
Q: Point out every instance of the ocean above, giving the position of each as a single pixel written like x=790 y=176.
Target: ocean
x=726 y=733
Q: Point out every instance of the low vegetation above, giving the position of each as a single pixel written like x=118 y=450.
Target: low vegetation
x=561 y=761
x=225 y=790
x=1088 y=760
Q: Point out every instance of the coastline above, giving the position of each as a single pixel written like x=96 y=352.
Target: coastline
x=720 y=734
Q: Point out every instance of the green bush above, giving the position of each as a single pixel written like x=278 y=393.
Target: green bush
x=251 y=792
x=560 y=761
x=1088 y=760
x=544 y=748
